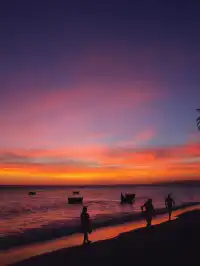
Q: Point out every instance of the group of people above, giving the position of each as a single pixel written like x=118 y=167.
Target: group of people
x=147 y=209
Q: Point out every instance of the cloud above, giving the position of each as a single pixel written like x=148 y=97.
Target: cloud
x=70 y=115
x=100 y=94
x=13 y=158
x=140 y=139
x=103 y=164
x=157 y=155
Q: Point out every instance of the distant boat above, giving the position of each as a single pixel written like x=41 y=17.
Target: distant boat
x=32 y=193
x=75 y=200
x=75 y=192
x=127 y=198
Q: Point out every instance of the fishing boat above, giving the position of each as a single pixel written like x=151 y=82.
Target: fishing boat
x=127 y=198
x=75 y=200
x=32 y=193
x=76 y=192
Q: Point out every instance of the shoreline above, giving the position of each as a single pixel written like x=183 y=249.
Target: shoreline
x=169 y=243
x=45 y=234
x=110 y=232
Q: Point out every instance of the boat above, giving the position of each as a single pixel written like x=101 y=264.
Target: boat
x=127 y=198
x=32 y=193
x=75 y=192
x=75 y=200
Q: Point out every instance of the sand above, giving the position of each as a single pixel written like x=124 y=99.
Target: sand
x=170 y=243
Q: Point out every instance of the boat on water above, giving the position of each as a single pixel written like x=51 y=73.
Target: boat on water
x=75 y=200
x=127 y=198
x=32 y=193
x=76 y=192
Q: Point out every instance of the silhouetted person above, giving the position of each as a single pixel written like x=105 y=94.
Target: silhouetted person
x=149 y=211
x=85 y=224
x=122 y=198
x=169 y=203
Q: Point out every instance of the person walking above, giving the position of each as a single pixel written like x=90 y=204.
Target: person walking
x=149 y=211
x=169 y=203
x=85 y=225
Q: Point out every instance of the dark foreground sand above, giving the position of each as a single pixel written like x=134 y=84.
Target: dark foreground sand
x=171 y=243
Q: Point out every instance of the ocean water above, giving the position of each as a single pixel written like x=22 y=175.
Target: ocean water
x=25 y=219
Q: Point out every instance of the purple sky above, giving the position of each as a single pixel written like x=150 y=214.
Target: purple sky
x=78 y=75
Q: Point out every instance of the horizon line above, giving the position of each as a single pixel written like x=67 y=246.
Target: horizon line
x=104 y=185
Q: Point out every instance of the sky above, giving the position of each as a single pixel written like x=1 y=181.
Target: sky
x=99 y=92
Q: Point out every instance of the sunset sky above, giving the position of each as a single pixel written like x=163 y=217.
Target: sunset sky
x=99 y=92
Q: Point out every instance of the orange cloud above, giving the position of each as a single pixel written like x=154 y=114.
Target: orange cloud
x=101 y=165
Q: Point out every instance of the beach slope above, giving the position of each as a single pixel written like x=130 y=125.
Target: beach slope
x=170 y=243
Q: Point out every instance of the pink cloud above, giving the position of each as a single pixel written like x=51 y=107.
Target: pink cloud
x=105 y=154
x=103 y=96
x=141 y=138
x=71 y=115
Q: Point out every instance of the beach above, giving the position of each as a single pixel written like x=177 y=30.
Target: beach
x=174 y=242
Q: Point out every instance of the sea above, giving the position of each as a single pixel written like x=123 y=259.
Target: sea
x=26 y=219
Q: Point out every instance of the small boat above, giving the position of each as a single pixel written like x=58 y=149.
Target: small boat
x=75 y=200
x=75 y=192
x=127 y=198
x=32 y=193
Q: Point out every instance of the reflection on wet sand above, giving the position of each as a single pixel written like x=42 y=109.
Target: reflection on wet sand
x=22 y=253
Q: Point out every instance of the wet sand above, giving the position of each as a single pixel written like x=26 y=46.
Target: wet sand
x=169 y=243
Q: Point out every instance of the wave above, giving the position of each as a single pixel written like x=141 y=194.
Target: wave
x=21 y=210
x=56 y=230
x=11 y=212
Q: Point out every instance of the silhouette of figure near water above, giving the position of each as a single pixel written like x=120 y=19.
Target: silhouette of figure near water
x=169 y=203
x=149 y=211
x=122 y=198
x=85 y=225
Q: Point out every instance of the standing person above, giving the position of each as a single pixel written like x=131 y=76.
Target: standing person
x=169 y=203
x=122 y=198
x=149 y=211
x=85 y=224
